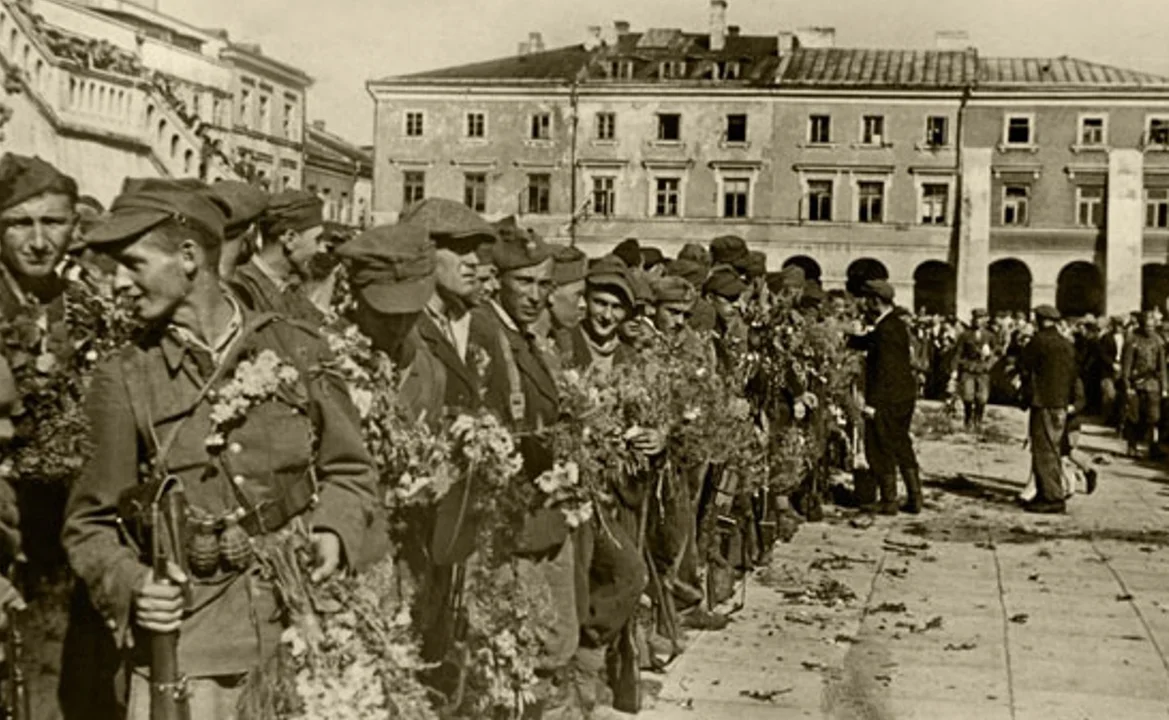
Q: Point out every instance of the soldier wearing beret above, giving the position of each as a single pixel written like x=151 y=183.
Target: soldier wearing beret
x=292 y=233
x=296 y=455
x=246 y=204
x=890 y=397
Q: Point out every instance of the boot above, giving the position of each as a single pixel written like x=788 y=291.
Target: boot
x=913 y=490
x=889 y=504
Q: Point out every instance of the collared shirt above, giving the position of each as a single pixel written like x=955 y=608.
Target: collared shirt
x=219 y=347
x=281 y=283
x=457 y=330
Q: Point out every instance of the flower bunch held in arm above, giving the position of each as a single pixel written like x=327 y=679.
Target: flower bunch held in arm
x=254 y=382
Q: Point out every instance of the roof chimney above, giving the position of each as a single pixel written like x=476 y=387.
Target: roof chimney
x=593 y=37
x=733 y=31
x=718 y=25
x=786 y=43
x=522 y=49
x=319 y=125
x=952 y=40
x=535 y=42
x=621 y=26
x=816 y=37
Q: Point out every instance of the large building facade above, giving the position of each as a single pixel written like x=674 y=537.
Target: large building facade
x=107 y=89
x=967 y=181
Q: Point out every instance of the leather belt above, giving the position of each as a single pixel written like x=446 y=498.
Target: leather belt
x=271 y=515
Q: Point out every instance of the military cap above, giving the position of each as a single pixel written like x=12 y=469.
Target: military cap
x=979 y=313
x=1047 y=312
x=392 y=267
x=446 y=219
x=880 y=289
x=650 y=257
x=629 y=251
x=695 y=253
x=145 y=203
x=688 y=270
x=519 y=250
x=247 y=203
x=570 y=265
x=813 y=292
x=728 y=250
x=295 y=210
x=724 y=282
x=643 y=292
x=755 y=264
x=23 y=178
x=612 y=273
x=673 y=289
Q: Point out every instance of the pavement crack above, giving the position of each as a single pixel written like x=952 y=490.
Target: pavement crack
x=1128 y=597
x=998 y=569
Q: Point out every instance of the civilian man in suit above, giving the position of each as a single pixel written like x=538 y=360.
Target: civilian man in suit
x=890 y=397
x=1048 y=365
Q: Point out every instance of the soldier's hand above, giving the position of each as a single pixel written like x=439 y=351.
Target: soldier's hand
x=648 y=441
x=158 y=604
x=869 y=412
x=10 y=601
x=328 y=547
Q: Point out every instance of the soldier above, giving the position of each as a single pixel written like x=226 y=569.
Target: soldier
x=1144 y=375
x=286 y=461
x=247 y=203
x=609 y=300
x=292 y=233
x=722 y=290
x=1048 y=365
x=890 y=397
x=566 y=304
x=729 y=251
x=974 y=357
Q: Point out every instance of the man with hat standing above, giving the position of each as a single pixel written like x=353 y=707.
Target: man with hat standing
x=566 y=304
x=247 y=204
x=729 y=251
x=609 y=300
x=722 y=290
x=1048 y=366
x=292 y=234
x=294 y=455
x=974 y=357
x=890 y=397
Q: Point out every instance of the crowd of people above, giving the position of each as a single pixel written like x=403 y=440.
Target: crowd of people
x=630 y=432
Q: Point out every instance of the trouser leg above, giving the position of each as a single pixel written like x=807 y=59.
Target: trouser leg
x=1046 y=428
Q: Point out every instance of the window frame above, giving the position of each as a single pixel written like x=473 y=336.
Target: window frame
x=928 y=140
x=661 y=128
x=725 y=195
x=407 y=176
x=1100 y=206
x=1081 y=125
x=1031 y=130
x=531 y=186
x=831 y=183
x=946 y=219
x=1026 y=206
x=1161 y=206
x=407 y=115
x=679 y=191
x=812 y=118
x=468 y=188
x=727 y=129
x=868 y=141
x=861 y=205
x=1149 y=120
x=468 y=125
x=599 y=124
x=610 y=194
x=541 y=134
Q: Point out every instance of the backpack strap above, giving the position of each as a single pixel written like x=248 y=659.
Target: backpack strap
x=517 y=404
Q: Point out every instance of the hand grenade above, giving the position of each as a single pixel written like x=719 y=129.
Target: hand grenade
x=235 y=548
x=203 y=549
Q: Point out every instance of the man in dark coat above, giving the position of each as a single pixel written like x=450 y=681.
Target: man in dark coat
x=890 y=397
x=1048 y=365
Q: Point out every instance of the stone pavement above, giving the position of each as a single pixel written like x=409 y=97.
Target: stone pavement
x=972 y=610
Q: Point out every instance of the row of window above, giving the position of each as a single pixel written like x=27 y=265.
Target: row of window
x=1018 y=130
x=820 y=205
x=264 y=121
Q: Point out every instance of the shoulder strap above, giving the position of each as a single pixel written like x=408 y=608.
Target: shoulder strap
x=517 y=404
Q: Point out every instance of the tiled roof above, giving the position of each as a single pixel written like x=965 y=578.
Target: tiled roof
x=1061 y=72
x=327 y=146
x=839 y=67
x=802 y=67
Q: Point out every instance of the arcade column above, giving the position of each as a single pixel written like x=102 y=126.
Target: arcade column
x=1123 y=245
x=974 y=237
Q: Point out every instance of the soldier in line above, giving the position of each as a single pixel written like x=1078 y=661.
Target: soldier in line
x=1048 y=366
x=1144 y=374
x=609 y=301
x=890 y=397
x=241 y=235
x=292 y=232
x=150 y=406
x=973 y=359
x=566 y=304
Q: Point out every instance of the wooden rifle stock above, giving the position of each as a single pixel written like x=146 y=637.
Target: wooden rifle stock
x=168 y=686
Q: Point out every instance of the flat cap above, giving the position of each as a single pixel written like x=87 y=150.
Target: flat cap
x=446 y=219
x=673 y=289
x=755 y=264
x=650 y=257
x=520 y=250
x=643 y=292
x=1047 y=312
x=728 y=250
x=612 y=273
x=690 y=271
x=879 y=288
x=392 y=267
x=695 y=253
x=23 y=178
x=570 y=265
x=295 y=210
x=148 y=202
x=247 y=203
x=724 y=282
x=629 y=251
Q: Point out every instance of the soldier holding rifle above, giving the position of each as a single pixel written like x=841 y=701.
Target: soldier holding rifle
x=293 y=456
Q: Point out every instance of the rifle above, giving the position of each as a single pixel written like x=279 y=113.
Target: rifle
x=17 y=704
x=168 y=686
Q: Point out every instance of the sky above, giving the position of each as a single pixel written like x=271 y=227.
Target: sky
x=344 y=43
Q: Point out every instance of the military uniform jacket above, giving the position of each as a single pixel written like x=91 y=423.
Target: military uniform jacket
x=232 y=616
x=1048 y=365
x=969 y=357
x=1143 y=366
x=257 y=291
